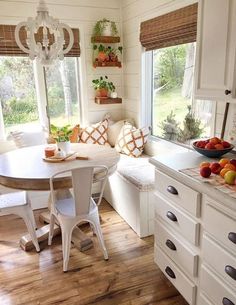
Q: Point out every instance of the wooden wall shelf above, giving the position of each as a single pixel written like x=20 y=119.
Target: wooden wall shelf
x=107 y=64
x=108 y=100
x=105 y=39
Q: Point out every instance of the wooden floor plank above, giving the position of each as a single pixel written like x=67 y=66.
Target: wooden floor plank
x=130 y=277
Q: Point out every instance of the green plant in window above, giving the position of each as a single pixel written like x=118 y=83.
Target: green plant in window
x=170 y=127
x=192 y=127
x=61 y=134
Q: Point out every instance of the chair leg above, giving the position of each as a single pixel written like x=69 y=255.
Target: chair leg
x=92 y=228
x=30 y=226
x=66 y=244
x=51 y=229
x=98 y=231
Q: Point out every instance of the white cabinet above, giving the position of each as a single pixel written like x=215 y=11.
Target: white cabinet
x=195 y=233
x=216 y=46
x=177 y=233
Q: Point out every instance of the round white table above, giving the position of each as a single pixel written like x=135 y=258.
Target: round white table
x=25 y=169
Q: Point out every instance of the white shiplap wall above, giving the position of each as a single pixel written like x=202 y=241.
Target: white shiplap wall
x=82 y=14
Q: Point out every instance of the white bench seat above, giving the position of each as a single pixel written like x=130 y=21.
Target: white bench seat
x=130 y=192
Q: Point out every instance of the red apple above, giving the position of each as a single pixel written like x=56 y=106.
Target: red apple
x=233 y=161
x=200 y=144
x=215 y=168
x=215 y=141
x=226 y=144
x=219 y=146
x=210 y=146
x=205 y=172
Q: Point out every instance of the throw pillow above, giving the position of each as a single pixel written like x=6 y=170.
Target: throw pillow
x=74 y=137
x=131 y=140
x=95 y=134
x=114 y=130
x=24 y=139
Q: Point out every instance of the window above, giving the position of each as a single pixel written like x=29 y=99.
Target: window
x=176 y=115
x=170 y=42
x=17 y=93
x=21 y=106
x=63 y=92
x=32 y=96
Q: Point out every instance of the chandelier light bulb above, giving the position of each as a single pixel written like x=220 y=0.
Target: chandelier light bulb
x=43 y=50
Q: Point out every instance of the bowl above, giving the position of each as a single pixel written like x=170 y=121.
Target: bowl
x=212 y=153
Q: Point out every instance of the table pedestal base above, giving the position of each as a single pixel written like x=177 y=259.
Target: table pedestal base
x=79 y=238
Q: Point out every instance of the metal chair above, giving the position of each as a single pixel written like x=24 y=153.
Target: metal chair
x=79 y=207
x=18 y=203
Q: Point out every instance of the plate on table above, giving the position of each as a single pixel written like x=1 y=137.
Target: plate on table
x=69 y=157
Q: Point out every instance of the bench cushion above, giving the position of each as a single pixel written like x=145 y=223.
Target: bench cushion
x=137 y=171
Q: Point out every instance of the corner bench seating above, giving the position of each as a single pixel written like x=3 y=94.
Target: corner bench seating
x=130 y=192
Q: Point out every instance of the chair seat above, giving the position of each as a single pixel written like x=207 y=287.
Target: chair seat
x=67 y=206
x=13 y=200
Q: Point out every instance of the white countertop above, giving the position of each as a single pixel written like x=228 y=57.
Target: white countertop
x=172 y=163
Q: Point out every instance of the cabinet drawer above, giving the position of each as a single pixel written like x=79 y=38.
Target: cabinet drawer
x=215 y=289
x=175 y=249
x=221 y=226
x=203 y=300
x=181 y=194
x=222 y=261
x=177 y=278
x=177 y=219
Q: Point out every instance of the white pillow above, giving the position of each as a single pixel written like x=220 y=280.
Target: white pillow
x=114 y=129
x=131 y=140
x=24 y=139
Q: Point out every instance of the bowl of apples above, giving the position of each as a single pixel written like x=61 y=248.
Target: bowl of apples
x=213 y=147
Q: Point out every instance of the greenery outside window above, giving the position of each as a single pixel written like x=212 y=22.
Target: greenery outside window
x=24 y=88
x=63 y=92
x=176 y=115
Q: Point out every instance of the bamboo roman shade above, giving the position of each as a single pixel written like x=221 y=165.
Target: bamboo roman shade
x=9 y=47
x=171 y=29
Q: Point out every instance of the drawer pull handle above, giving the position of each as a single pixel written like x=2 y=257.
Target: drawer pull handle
x=171 y=216
x=231 y=271
x=170 y=245
x=170 y=272
x=227 y=92
x=232 y=237
x=171 y=189
x=226 y=301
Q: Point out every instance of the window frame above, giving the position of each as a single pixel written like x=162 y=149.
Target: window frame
x=147 y=99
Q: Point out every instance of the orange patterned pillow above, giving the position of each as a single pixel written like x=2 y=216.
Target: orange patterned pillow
x=131 y=140
x=95 y=134
x=74 y=137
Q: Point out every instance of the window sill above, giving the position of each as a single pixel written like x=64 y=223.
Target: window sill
x=158 y=146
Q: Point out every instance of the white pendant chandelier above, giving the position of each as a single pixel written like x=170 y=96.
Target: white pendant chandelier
x=52 y=34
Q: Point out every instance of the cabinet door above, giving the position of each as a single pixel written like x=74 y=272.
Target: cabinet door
x=215 y=57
